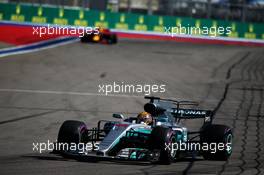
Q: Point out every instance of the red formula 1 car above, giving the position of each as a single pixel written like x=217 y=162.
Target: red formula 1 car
x=100 y=36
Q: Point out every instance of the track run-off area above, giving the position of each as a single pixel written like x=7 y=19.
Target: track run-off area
x=40 y=90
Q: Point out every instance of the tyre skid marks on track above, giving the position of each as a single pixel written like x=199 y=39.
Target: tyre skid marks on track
x=258 y=151
x=213 y=75
x=252 y=65
x=223 y=98
x=258 y=68
x=246 y=120
x=245 y=136
x=254 y=94
x=240 y=106
x=258 y=135
x=228 y=84
x=262 y=65
x=27 y=117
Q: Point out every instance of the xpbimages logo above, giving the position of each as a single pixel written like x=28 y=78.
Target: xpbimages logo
x=63 y=30
x=191 y=30
x=42 y=147
x=196 y=146
x=146 y=89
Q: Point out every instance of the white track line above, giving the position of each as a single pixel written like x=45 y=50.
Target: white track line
x=68 y=93
x=93 y=94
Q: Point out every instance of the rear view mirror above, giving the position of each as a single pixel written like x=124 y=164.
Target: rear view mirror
x=119 y=116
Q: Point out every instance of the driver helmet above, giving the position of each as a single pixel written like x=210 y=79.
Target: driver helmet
x=144 y=117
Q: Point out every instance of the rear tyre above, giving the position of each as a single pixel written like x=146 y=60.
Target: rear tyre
x=112 y=39
x=160 y=137
x=84 y=38
x=217 y=134
x=71 y=131
x=87 y=38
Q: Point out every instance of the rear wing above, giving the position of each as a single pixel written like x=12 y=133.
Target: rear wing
x=192 y=114
x=158 y=106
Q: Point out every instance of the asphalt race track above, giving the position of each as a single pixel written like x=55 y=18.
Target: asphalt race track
x=39 y=90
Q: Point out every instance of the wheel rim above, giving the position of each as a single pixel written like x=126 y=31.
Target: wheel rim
x=173 y=151
x=229 y=143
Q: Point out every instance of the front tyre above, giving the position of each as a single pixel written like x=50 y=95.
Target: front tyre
x=71 y=132
x=161 y=142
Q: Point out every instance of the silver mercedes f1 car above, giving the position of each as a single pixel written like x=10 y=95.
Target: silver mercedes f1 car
x=159 y=141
